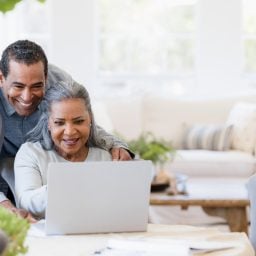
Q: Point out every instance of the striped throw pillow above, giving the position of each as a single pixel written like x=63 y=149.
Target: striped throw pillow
x=209 y=137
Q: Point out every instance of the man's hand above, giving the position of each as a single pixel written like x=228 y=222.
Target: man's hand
x=120 y=154
x=19 y=212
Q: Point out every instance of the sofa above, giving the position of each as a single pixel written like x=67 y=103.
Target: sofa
x=183 y=121
x=178 y=120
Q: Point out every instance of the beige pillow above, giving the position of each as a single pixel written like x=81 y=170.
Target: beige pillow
x=243 y=118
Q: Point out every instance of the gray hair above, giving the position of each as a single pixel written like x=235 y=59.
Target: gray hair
x=56 y=93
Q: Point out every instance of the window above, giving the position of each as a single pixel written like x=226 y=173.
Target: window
x=144 y=42
x=29 y=20
x=249 y=40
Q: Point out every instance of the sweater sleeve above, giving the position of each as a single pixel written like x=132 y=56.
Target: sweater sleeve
x=107 y=141
x=29 y=188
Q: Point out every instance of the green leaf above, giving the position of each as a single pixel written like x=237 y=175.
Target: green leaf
x=16 y=230
x=8 y=5
x=148 y=147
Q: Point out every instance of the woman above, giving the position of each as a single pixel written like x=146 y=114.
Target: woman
x=66 y=132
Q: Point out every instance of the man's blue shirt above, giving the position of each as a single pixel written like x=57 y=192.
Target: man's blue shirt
x=15 y=127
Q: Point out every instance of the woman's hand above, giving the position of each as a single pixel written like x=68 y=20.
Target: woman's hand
x=19 y=212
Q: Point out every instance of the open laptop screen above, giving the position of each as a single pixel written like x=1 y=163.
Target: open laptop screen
x=98 y=197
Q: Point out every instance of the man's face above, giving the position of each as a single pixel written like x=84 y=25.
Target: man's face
x=24 y=86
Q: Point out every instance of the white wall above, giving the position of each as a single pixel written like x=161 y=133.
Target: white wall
x=72 y=33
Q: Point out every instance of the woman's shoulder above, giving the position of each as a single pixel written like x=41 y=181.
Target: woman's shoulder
x=98 y=154
x=29 y=152
x=34 y=151
x=30 y=149
x=31 y=146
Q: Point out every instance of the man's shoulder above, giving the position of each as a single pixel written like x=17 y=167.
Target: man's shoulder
x=56 y=74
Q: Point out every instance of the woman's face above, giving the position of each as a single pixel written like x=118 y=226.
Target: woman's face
x=69 y=125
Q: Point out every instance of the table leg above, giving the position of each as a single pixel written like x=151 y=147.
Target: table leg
x=235 y=216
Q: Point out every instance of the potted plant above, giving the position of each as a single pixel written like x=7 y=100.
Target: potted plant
x=148 y=147
x=159 y=151
x=13 y=231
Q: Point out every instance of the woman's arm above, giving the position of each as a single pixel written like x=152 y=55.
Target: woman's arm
x=29 y=188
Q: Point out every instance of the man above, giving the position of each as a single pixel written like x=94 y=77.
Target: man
x=24 y=77
x=251 y=188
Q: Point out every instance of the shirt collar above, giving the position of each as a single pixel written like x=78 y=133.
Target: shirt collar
x=7 y=106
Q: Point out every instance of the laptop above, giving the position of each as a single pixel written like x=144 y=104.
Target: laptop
x=98 y=197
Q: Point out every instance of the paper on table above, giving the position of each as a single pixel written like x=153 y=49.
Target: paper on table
x=132 y=247
x=116 y=252
x=163 y=247
x=37 y=229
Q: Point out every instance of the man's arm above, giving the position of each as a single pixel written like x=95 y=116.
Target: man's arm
x=118 y=148
x=1 y=133
x=19 y=212
x=7 y=204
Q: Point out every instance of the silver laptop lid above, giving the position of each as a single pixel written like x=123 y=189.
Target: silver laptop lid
x=98 y=197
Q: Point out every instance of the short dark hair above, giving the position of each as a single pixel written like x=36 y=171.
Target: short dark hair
x=23 y=51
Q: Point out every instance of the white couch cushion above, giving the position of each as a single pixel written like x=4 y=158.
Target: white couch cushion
x=243 y=118
x=213 y=163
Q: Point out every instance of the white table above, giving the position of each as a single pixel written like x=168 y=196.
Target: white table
x=87 y=244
